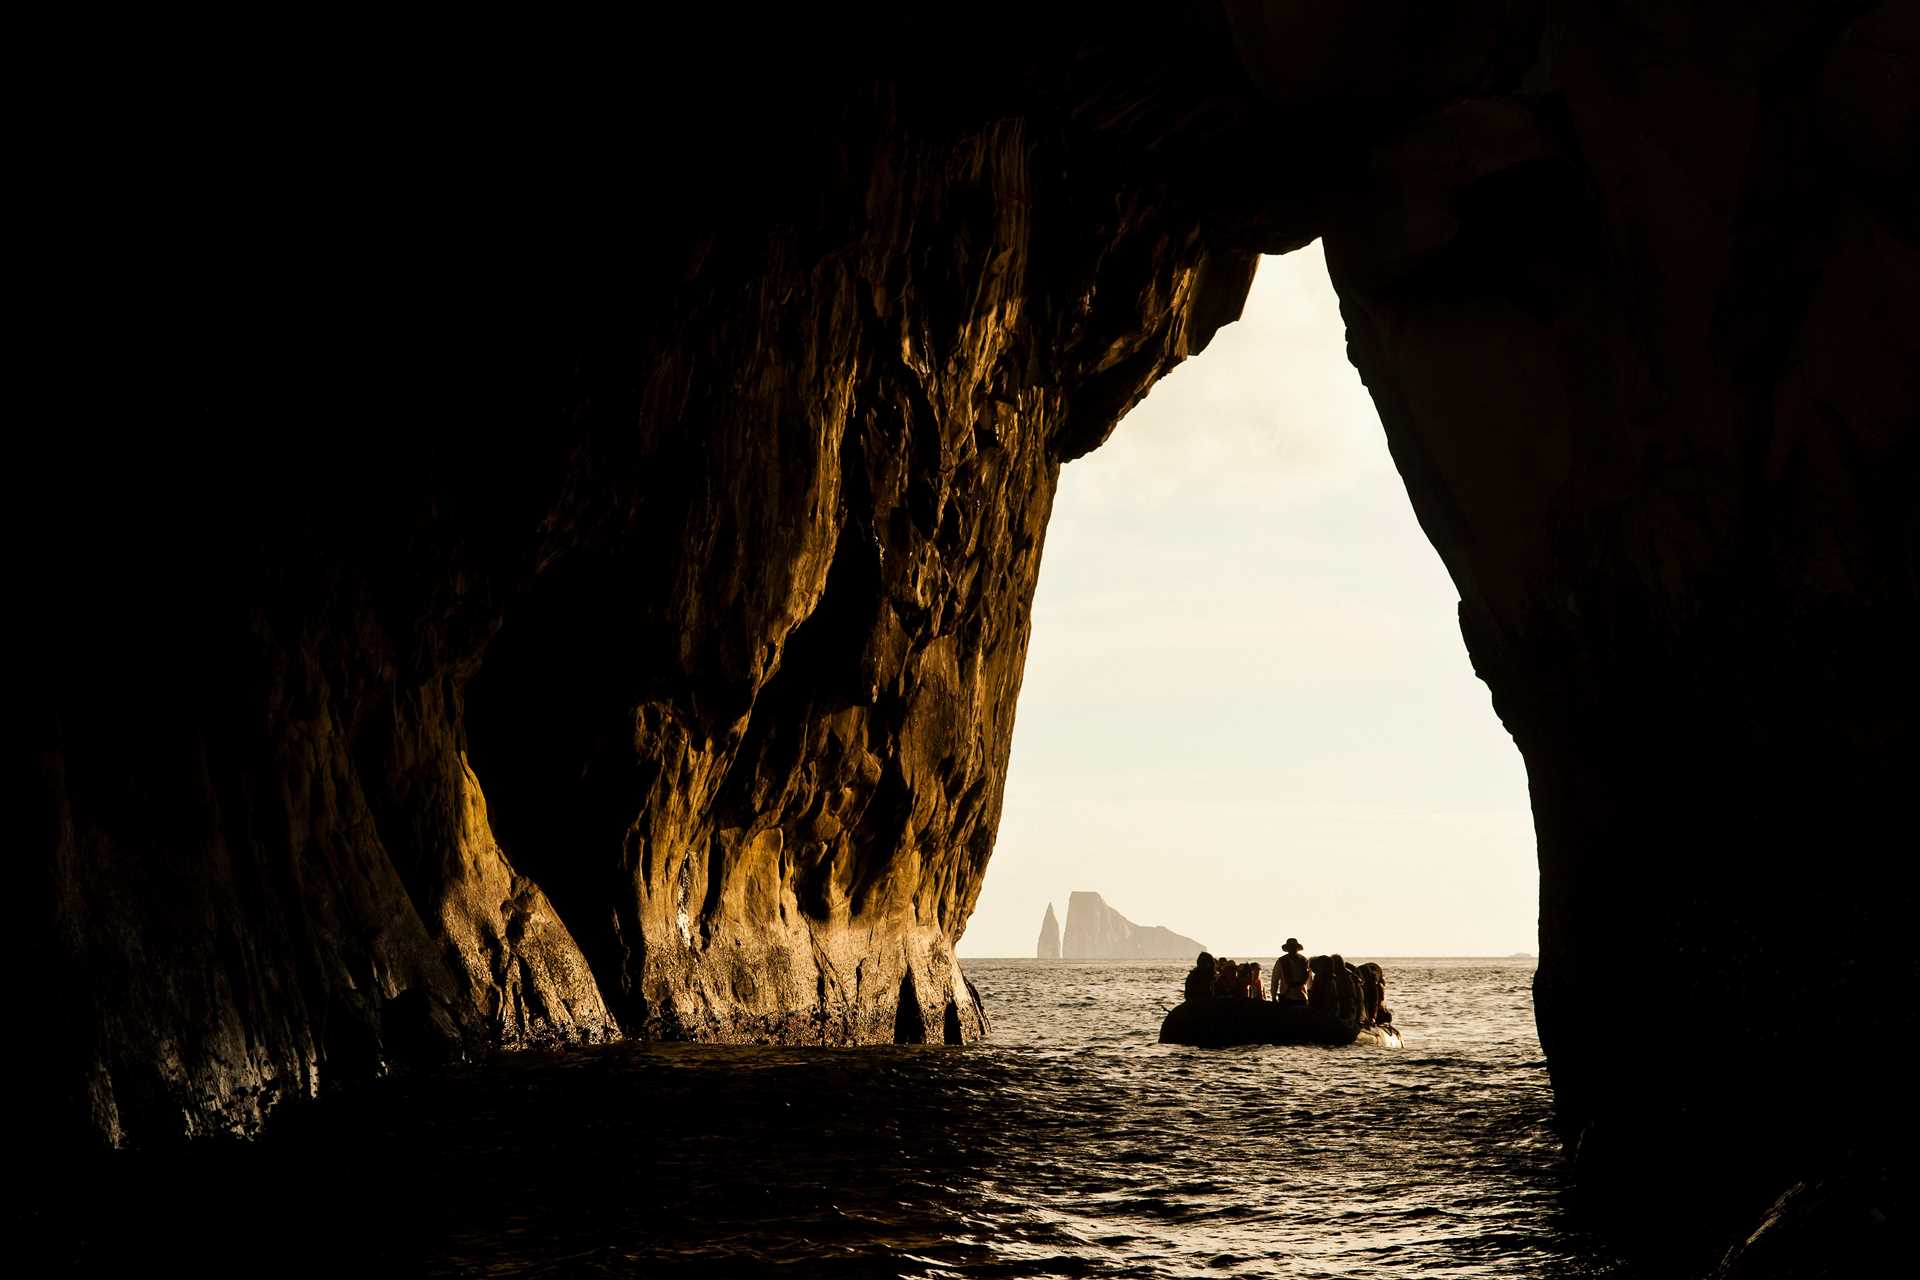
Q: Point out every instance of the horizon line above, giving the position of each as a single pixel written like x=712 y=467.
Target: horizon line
x=1430 y=955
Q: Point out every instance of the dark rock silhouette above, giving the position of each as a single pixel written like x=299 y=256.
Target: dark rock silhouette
x=1049 y=948
x=573 y=579
x=1840 y=1224
x=1095 y=931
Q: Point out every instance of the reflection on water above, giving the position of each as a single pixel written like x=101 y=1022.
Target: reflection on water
x=1071 y=1145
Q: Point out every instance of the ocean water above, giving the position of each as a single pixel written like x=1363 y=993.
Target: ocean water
x=1071 y=1144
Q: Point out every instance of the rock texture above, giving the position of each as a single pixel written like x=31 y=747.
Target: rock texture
x=1642 y=335
x=533 y=540
x=1827 y=1228
x=1095 y=931
x=1049 y=945
x=546 y=610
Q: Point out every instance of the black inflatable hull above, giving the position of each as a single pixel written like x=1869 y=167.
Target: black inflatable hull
x=1217 y=1024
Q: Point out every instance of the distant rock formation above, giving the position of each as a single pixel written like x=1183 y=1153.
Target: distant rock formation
x=1095 y=931
x=1049 y=948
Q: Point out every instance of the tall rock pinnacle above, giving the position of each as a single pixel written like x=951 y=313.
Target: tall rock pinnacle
x=1049 y=948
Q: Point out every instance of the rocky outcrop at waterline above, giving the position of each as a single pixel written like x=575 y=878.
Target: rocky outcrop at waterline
x=514 y=558
x=1095 y=931
x=1049 y=944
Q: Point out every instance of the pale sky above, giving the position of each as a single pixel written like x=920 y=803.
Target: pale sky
x=1247 y=711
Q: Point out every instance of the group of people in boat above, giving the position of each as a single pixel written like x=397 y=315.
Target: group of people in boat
x=1212 y=977
x=1329 y=983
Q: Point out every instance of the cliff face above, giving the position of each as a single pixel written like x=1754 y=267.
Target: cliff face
x=1645 y=350
x=1049 y=945
x=1095 y=931
x=550 y=612
x=533 y=559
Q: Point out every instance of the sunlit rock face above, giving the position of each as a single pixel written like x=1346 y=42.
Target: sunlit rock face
x=552 y=561
x=565 y=574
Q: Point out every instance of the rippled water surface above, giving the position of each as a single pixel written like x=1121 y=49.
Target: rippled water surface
x=1073 y=1144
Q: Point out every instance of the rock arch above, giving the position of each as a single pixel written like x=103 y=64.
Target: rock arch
x=673 y=464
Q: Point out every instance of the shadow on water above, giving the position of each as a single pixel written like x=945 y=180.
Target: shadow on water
x=593 y=1161
x=1073 y=1145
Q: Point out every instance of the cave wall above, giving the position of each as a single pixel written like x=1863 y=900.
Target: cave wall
x=585 y=595
x=1644 y=346
x=792 y=803
x=547 y=556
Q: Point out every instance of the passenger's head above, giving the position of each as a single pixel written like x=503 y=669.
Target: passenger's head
x=1205 y=961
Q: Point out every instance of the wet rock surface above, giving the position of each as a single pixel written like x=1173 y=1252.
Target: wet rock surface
x=551 y=563
x=1840 y=1223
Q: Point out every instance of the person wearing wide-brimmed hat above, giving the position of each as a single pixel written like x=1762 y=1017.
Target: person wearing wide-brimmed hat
x=1290 y=973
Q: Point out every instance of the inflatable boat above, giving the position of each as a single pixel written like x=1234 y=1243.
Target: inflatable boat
x=1221 y=1021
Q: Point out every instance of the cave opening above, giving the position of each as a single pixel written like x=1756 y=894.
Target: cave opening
x=1248 y=711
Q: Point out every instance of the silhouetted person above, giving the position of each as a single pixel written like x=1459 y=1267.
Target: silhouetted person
x=1356 y=1009
x=1226 y=977
x=1252 y=989
x=1346 y=990
x=1373 y=995
x=1324 y=993
x=1340 y=982
x=1200 y=977
x=1291 y=974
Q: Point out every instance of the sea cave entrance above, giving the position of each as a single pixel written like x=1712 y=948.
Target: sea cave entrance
x=1247 y=709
